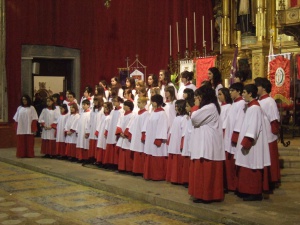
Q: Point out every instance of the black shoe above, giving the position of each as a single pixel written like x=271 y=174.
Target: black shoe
x=46 y=156
x=253 y=198
x=198 y=200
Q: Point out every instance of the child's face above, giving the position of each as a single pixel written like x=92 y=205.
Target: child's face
x=137 y=87
x=113 y=82
x=49 y=102
x=72 y=109
x=70 y=98
x=85 y=106
x=62 y=110
x=150 y=80
x=183 y=80
x=86 y=94
x=210 y=75
x=167 y=94
x=126 y=95
x=188 y=107
x=161 y=76
x=127 y=83
x=185 y=95
x=221 y=96
x=246 y=96
x=234 y=94
x=55 y=99
x=105 y=109
x=141 y=104
x=176 y=108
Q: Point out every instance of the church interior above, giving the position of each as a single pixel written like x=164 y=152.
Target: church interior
x=75 y=43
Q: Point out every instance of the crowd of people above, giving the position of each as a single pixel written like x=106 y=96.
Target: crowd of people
x=210 y=139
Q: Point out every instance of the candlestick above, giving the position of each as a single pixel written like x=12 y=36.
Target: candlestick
x=170 y=41
x=221 y=38
x=211 y=35
x=226 y=83
x=177 y=37
x=203 y=31
x=194 y=27
x=186 y=34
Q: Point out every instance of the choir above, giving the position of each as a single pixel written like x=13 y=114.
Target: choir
x=211 y=140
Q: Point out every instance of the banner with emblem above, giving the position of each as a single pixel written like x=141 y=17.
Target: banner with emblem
x=280 y=73
x=202 y=66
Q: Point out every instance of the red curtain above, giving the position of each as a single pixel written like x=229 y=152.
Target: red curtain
x=104 y=36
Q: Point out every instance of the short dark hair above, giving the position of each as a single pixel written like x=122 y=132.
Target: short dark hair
x=158 y=99
x=129 y=104
x=88 y=89
x=251 y=88
x=188 y=75
x=239 y=87
x=189 y=92
x=65 y=107
x=72 y=93
x=181 y=107
x=242 y=75
x=264 y=83
x=86 y=101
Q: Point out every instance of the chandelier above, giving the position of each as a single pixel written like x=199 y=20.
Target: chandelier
x=107 y=3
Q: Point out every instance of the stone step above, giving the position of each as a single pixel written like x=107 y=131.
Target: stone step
x=289 y=161
x=290 y=151
x=290 y=175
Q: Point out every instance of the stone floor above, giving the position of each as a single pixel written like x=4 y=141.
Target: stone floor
x=281 y=208
x=28 y=197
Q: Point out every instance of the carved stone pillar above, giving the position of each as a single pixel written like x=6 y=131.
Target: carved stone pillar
x=3 y=83
x=259 y=62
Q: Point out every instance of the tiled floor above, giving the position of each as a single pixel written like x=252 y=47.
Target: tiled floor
x=28 y=197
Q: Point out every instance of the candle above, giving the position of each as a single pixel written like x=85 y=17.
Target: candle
x=203 y=31
x=211 y=35
x=221 y=38
x=170 y=41
x=194 y=27
x=177 y=37
x=186 y=34
x=226 y=83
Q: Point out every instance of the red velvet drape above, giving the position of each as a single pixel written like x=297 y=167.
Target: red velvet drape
x=104 y=36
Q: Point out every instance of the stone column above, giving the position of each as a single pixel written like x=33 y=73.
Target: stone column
x=261 y=20
x=3 y=83
x=226 y=29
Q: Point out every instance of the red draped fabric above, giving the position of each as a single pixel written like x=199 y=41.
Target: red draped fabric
x=105 y=37
x=202 y=66
x=280 y=78
x=298 y=66
x=295 y=3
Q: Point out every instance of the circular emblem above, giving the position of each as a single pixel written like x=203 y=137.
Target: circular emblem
x=279 y=77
